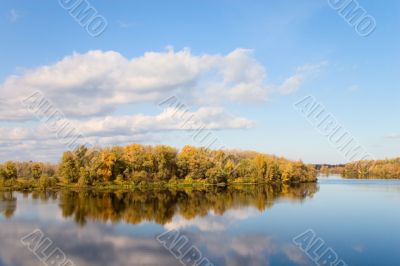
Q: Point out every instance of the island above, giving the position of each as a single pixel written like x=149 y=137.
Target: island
x=137 y=165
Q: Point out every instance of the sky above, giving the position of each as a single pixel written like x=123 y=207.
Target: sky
x=232 y=71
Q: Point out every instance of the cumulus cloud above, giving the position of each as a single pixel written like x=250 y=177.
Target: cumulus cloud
x=50 y=140
x=97 y=82
x=168 y=120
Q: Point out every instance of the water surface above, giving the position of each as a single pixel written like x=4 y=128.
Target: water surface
x=247 y=225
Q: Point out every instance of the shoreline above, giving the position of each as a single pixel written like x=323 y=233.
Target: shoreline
x=153 y=185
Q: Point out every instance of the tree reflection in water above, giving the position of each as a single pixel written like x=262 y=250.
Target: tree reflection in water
x=8 y=204
x=161 y=205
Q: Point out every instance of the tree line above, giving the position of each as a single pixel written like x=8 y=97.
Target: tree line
x=381 y=169
x=367 y=169
x=28 y=174
x=137 y=164
x=327 y=169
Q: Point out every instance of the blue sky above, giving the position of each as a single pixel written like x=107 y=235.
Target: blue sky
x=306 y=44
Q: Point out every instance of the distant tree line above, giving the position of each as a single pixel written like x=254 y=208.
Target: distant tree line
x=382 y=169
x=379 y=169
x=328 y=169
x=23 y=174
x=141 y=164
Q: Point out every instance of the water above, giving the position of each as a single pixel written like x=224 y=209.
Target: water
x=248 y=225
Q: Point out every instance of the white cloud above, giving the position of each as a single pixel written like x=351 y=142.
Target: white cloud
x=169 y=120
x=22 y=142
x=293 y=83
x=98 y=82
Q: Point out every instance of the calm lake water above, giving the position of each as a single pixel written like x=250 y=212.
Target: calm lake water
x=248 y=225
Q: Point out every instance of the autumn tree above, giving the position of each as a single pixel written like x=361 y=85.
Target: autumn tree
x=166 y=161
x=36 y=171
x=140 y=164
x=194 y=162
x=8 y=171
x=108 y=159
x=68 y=170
